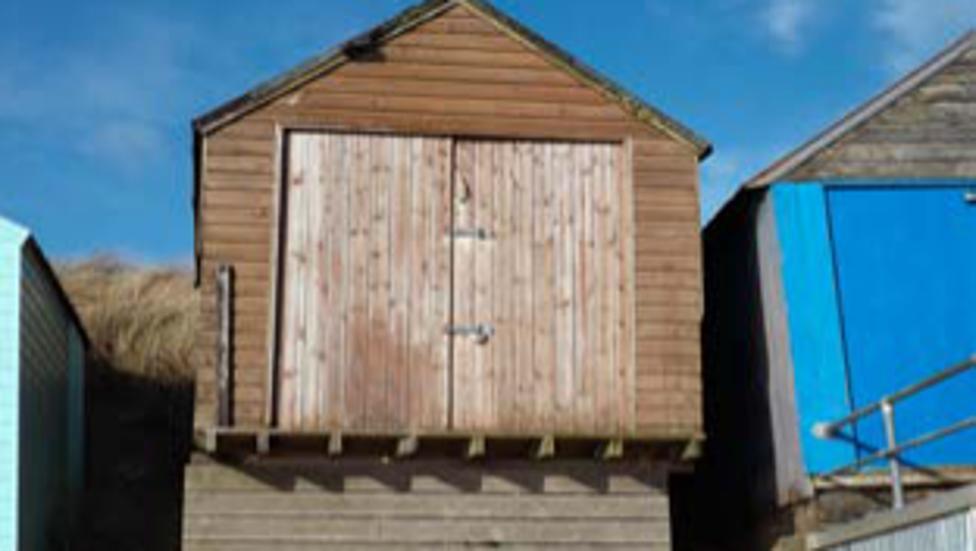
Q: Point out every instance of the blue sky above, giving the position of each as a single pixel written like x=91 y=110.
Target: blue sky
x=96 y=97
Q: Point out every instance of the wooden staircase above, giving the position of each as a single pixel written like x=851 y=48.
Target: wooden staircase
x=423 y=504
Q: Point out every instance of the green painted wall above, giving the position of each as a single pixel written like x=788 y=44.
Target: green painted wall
x=41 y=401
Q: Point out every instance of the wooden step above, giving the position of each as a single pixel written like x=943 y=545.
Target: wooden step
x=295 y=544
x=423 y=504
x=464 y=506
x=428 y=530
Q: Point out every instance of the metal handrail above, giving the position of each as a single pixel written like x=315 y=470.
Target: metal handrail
x=893 y=450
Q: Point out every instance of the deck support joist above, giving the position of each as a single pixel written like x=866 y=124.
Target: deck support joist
x=271 y=442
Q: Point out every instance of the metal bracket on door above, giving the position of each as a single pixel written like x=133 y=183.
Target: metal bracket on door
x=481 y=332
x=481 y=234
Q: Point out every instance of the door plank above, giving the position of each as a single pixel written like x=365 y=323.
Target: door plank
x=555 y=283
x=364 y=303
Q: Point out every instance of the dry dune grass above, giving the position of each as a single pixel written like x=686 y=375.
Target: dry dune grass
x=141 y=321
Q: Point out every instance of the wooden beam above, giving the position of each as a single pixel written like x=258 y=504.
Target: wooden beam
x=225 y=296
x=210 y=440
x=476 y=447
x=611 y=449
x=407 y=446
x=692 y=450
x=335 y=443
x=546 y=448
x=262 y=442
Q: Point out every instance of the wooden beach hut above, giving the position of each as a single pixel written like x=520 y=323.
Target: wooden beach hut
x=445 y=237
x=834 y=278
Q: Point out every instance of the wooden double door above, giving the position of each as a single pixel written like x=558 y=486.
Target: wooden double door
x=438 y=285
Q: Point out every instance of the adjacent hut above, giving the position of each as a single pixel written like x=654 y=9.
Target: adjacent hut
x=42 y=349
x=839 y=275
x=446 y=236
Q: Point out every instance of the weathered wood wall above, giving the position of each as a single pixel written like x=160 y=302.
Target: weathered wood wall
x=426 y=504
x=929 y=133
x=455 y=75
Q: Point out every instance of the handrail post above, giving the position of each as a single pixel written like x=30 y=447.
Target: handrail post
x=888 y=414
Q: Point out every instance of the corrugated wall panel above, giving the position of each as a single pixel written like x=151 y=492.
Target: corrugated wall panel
x=950 y=533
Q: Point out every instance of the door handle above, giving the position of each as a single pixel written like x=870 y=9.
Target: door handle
x=969 y=196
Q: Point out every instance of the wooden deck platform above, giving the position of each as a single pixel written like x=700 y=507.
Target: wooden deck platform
x=239 y=442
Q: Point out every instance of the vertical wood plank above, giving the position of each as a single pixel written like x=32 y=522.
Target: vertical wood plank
x=440 y=174
x=417 y=338
x=313 y=292
x=544 y=361
x=520 y=169
x=399 y=360
x=498 y=156
x=614 y=309
x=483 y=372
x=341 y=271
x=627 y=400
x=464 y=284
x=591 y=267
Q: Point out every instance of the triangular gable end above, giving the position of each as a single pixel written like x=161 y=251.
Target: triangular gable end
x=427 y=12
x=822 y=148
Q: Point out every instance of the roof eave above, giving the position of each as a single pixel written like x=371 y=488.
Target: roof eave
x=317 y=65
x=63 y=297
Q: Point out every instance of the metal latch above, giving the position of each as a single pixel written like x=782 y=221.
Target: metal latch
x=481 y=332
x=969 y=196
x=481 y=234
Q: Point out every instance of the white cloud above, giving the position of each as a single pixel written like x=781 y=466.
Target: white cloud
x=786 y=20
x=109 y=96
x=127 y=144
x=916 y=28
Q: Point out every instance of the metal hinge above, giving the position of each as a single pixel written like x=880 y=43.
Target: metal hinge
x=480 y=234
x=481 y=332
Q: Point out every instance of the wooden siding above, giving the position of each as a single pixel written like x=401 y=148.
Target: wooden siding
x=428 y=504
x=929 y=133
x=553 y=279
x=464 y=85
x=48 y=344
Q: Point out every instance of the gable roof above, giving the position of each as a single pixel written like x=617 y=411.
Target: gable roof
x=22 y=237
x=410 y=19
x=862 y=114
